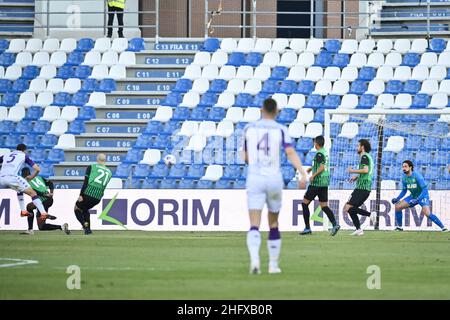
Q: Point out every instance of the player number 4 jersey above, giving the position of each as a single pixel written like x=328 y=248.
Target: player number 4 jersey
x=98 y=180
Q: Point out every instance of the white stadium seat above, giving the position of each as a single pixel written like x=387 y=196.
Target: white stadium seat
x=252 y=114
x=385 y=73
x=252 y=86
x=375 y=60
x=210 y=72
x=305 y=59
x=429 y=87
x=271 y=59
x=66 y=141
x=245 y=45
x=375 y=87
x=16 y=113
x=340 y=87
x=202 y=59
x=340 y=118
x=298 y=45
x=55 y=85
x=37 y=85
x=44 y=99
x=119 y=45
x=227 y=73
x=219 y=58
x=69 y=113
x=192 y=72
x=384 y=46
x=358 y=60
x=115 y=183
x=207 y=128
x=188 y=129
x=349 y=101
x=99 y=72
x=72 y=85
x=349 y=46
x=51 y=113
x=97 y=99
x=235 y=86
x=366 y=46
x=58 y=127
x=213 y=173
x=200 y=86
x=163 y=114
x=41 y=59
x=288 y=59
x=92 y=58
x=34 y=45
x=117 y=72
x=439 y=101
x=225 y=129
x=280 y=45
x=3 y=115
x=314 y=74
x=228 y=45
x=438 y=73
x=2 y=72
x=395 y=144
x=420 y=73
x=313 y=130
x=68 y=45
x=296 y=101
x=244 y=73
x=234 y=114
x=102 y=45
x=385 y=101
x=332 y=73
x=349 y=73
x=262 y=73
x=127 y=58
x=297 y=73
x=296 y=129
x=13 y=73
x=349 y=130
x=428 y=59
x=403 y=101
x=58 y=58
x=445 y=86
x=110 y=58
x=305 y=115
x=444 y=59
x=323 y=87
x=314 y=45
x=402 y=45
x=281 y=99
x=23 y=59
x=190 y=100
x=16 y=45
x=197 y=143
x=151 y=157
x=393 y=59
x=27 y=99
x=402 y=73
x=419 y=46
x=226 y=100
x=262 y=45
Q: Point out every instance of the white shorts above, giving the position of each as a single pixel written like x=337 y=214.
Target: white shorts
x=14 y=182
x=263 y=190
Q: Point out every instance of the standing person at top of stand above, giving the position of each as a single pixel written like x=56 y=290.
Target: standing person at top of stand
x=115 y=7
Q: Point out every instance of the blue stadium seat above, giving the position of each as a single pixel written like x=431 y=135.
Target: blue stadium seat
x=442 y=185
x=218 y=86
x=288 y=87
x=423 y=157
x=74 y=59
x=270 y=86
x=33 y=113
x=259 y=99
x=367 y=73
x=288 y=173
x=217 y=114
x=411 y=59
x=323 y=59
x=334 y=129
x=89 y=85
x=292 y=185
x=31 y=140
x=4 y=45
x=76 y=127
x=30 y=72
x=79 y=99
x=6 y=127
x=358 y=87
x=5 y=85
x=47 y=170
x=62 y=99
x=287 y=115
x=20 y=85
x=123 y=171
x=437 y=45
x=9 y=99
x=211 y=45
x=331 y=101
x=199 y=114
x=240 y=184
x=341 y=60
x=186 y=184
x=133 y=156
x=86 y=113
x=314 y=101
x=41 y=127
x=133 y=184
x=142 y=171
x=440 y=128
x=243 y=100
x=7 y=59
x=440 y=159
x=161 y=142
x=136 y=45
x=182 y=86
x=231 y=172
x=413 y=143
x=143 y=142
x=160 y=170
x=279 y=73
x=304 y=144
x=332 y=46
x=208 y=99
x=394 y=87
x=181 y=114
x=421 y=100
x=153 y=127
x=222 y=184
x=236 y=59
x=388 y=158
x=38 y=155
x=173 y=99
x=150 y=183
x=319 y=116
x=254 y=59
x=23 y=126
x=55 y=156
x=107 y=85
x=432 y=143
x=171 y=126
x=82 y=72
x=412 y=87
x=65 y=72
x=85 y=45
x=306 y=87
x=195 y=171
x=204 y=184
x=48 y=141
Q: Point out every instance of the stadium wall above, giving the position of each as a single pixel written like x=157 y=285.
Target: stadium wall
x=210 y=210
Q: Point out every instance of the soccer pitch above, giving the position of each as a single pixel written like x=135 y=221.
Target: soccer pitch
x=214 y=265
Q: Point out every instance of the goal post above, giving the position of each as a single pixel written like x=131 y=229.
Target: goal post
x=420 y=135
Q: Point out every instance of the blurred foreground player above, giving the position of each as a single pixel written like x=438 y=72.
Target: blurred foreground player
x=414 y=183
x=263 y=144
x=44 y=189
x=9 y=178
x=96 y=179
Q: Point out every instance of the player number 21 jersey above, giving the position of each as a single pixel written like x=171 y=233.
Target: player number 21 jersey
x=98 y=180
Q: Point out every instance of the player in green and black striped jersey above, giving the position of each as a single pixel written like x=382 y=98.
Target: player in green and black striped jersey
x=96 y=179
x=44 y=189
x=318 y=187
x=363 y=187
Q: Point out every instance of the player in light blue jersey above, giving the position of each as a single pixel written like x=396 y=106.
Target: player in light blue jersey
x=265 y=139
x=414 y=183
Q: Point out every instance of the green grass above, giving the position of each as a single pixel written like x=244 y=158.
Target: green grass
x=201 y=265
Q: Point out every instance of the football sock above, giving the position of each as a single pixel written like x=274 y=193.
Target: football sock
x=80 y=217
x=362 y=212
x=49 y=227
x=87 y=217
x=436 y=220
x=253 y=243
x=353 y=215
x=30 y=220
x=38 y=203
x=274 y=246
x=21 y=201
x=306 y=215
x=398 y=218
x=330 y=215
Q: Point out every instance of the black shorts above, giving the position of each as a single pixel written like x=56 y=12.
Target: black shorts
x=87 y=203
x=358 y=197
x=320 y=192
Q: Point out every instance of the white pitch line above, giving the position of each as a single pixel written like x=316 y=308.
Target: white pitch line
x=18 y=262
